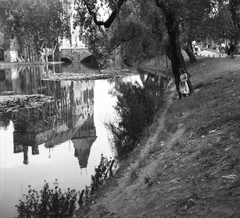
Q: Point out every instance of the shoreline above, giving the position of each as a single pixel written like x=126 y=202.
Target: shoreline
x=4 y=65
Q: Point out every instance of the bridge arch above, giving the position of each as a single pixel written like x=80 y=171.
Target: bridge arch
x=90 y=62
x=75 y=55
x=66 y=60
x=89 y=59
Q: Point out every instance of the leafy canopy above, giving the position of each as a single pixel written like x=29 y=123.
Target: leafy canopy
x=35 y=22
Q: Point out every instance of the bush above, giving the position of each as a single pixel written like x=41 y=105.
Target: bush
x=53 y=203
x=48 y=203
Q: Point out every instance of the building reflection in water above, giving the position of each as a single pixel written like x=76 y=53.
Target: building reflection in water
x=83 y=141
x=69 y=116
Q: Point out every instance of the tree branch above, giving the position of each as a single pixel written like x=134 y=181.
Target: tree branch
x=111 y=18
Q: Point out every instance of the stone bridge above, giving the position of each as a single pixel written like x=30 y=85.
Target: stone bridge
x=74 y=54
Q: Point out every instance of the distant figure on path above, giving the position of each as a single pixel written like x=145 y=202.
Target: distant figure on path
x=227 y=50
x=232 y=49
x=195 y=48
x=222 y=48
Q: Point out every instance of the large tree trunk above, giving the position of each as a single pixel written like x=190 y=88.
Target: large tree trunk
x=187 y=48
x=177 y=60
x=174 y=48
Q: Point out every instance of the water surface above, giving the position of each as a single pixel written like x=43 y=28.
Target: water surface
x=62 y=140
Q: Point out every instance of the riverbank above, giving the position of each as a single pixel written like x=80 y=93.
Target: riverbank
x=187 y=164
x=4 y=65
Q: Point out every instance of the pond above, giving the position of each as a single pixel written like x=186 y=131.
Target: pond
x=63 y=139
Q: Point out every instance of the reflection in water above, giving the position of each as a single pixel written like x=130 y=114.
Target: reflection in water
x=69 y=116
x=23 y=80
x=136 y=107
x=62 y=139
x=83 y=140
x=28 y=80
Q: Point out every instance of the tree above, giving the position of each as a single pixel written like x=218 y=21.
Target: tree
x=193 y=24
x=234 y=9
x=35 y=23
x=170 y=12
x=224 y=20
x=140 y=33
x=89 y=18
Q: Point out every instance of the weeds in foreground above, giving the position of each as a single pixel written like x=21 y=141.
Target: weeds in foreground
x=52 y=203
x=48 y=203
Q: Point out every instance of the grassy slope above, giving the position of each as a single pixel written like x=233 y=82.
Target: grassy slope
x=188 y=164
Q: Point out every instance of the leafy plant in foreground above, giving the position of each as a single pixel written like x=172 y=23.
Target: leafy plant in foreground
x=48 y=203
x=54 y=203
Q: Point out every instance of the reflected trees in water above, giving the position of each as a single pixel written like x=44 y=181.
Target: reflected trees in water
x=136 y=107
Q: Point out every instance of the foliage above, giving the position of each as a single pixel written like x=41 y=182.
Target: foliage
x=140 y=32
x=129 y=31
x=136 y=107
x=224 y=19
x=48 y=203
x=37 y=22
x=102 y=172
x=52 y=203
x=97 y=44
x=219 y=23
x=97 y=37
x=156 y=27
x=193 y=20
x=234 y=8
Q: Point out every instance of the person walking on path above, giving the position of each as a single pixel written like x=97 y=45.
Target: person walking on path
x=222 y=48
x=231 y=50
